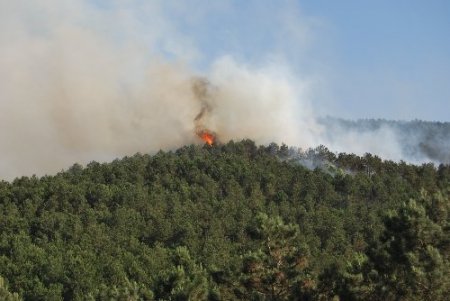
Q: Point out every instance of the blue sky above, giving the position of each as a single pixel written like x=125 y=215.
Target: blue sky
x=394 y=55
x=94 y=77
x=361 y=59
x=365 y=59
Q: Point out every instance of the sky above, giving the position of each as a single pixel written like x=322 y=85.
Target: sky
x=84 y=80
x=363 y=59
x=389 y=59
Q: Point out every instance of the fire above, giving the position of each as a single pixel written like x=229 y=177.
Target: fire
x=207 y=137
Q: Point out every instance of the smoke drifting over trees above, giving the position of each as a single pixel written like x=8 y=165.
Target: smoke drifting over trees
x=415 y=141
x=80 y=83
x=73 y=89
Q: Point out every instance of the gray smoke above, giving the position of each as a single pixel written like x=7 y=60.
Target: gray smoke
x=412 y=141
x=79 y=83
x=202 y=89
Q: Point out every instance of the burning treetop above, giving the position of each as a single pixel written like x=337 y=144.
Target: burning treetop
x=202 y=90
x=207 y=136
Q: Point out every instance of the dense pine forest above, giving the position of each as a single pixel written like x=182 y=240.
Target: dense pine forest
x=229 y=222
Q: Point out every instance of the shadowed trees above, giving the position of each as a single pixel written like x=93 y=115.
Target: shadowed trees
x=228 y=222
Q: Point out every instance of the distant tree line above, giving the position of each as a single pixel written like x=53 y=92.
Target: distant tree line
x=417 y=139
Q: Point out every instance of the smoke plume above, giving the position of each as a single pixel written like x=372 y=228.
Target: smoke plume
x=202 y=91
x=79 y=82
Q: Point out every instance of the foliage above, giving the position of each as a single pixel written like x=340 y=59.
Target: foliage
x=409 y=260
x=278 y=270
x=228 y=222
x=5 y=294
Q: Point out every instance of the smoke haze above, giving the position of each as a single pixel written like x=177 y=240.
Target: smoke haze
x=79 y=83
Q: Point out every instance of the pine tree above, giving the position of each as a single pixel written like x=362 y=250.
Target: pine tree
x=5 y=294
x=186 y=280
x=410 y=261
x=278 y=270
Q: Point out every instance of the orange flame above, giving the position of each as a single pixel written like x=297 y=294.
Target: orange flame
x=207 y=137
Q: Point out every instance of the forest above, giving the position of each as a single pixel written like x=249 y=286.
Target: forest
x=232 y=221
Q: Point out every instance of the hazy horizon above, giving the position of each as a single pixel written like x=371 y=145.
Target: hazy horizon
x=95 y=80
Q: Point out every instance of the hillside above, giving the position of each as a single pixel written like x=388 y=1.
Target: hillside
x=228 y=222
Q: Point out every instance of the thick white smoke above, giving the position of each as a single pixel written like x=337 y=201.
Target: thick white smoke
x=262 y=104
x=382 y=142
x=79 y=82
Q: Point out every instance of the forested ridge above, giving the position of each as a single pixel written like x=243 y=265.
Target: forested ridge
x=417 y=139
x=229 y=222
